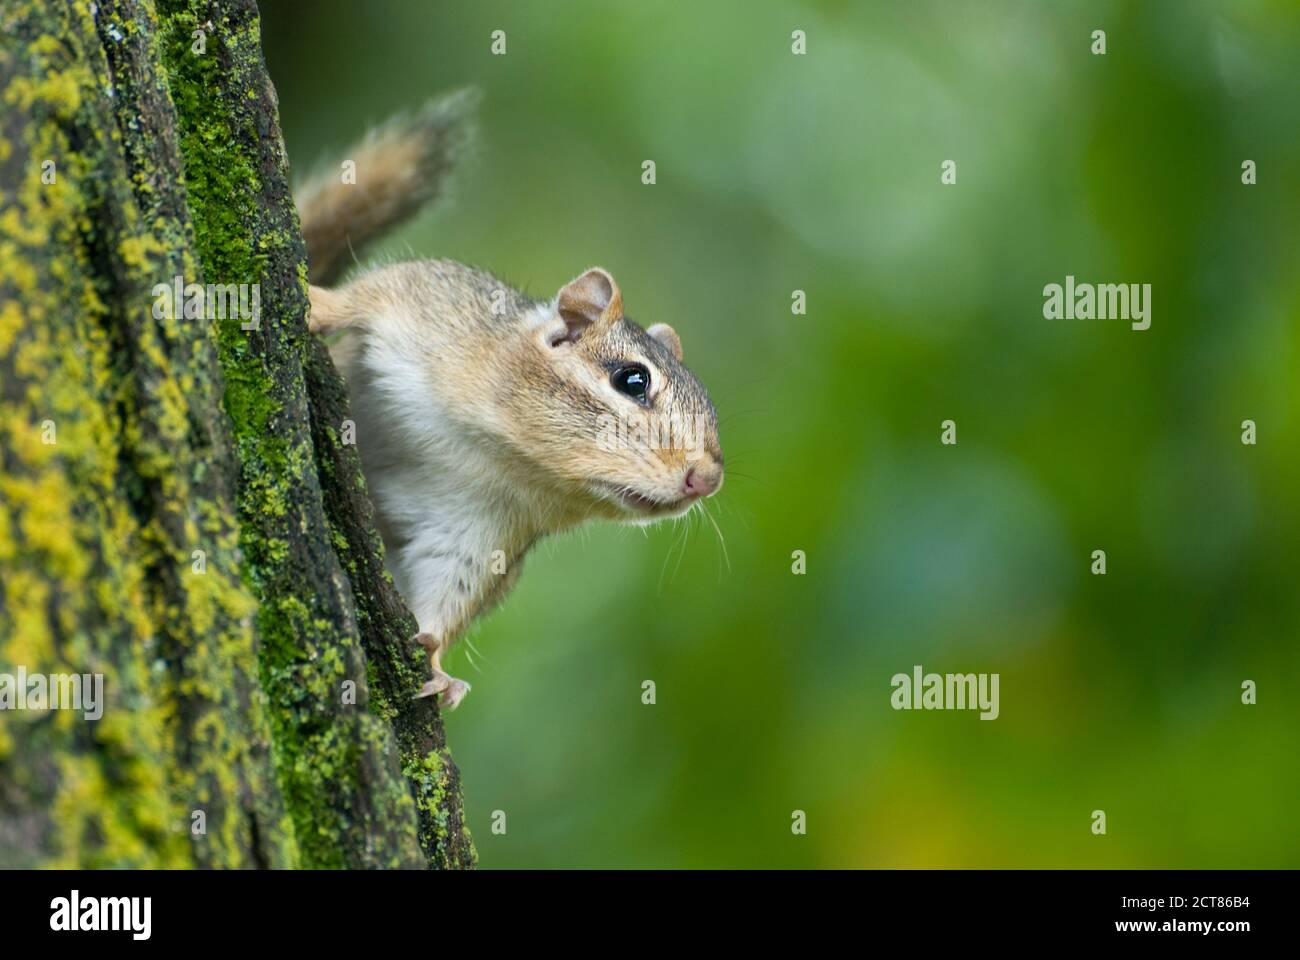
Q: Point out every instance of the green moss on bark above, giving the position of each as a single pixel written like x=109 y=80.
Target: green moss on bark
x=100 y=525
x=225 y=687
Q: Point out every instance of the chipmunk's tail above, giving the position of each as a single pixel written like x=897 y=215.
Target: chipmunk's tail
x=396 y=170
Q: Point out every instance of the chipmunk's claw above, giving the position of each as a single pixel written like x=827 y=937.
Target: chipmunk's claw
x=453 y=691
x=437 y=685
x=454 y=694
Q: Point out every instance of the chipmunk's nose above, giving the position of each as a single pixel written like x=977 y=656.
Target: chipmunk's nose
x=702 y=481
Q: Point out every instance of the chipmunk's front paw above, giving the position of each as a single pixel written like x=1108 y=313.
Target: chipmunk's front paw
x=454 y=694
x=453 y=691
x=438 y=684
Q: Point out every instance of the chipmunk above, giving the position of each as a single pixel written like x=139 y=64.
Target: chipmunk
x=483 y=416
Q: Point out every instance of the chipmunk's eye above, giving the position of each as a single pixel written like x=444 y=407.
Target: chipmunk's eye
x=633 y=380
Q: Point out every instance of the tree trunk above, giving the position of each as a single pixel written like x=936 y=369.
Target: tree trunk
x=180 y=510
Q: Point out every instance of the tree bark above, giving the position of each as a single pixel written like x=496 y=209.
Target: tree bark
x=179 y=508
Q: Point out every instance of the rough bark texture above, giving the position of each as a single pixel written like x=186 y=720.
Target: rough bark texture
x=128 y=443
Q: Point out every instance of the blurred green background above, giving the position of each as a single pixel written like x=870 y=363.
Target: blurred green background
x=822 y=173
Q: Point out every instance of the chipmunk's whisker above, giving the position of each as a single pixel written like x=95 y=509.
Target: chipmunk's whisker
x=722 y=541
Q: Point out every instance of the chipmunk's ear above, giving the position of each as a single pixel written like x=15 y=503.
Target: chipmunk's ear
x=668 y=337
x=592 y=301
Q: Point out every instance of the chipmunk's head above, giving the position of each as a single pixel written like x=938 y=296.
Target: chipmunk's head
x=627 y=427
